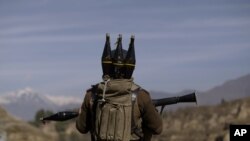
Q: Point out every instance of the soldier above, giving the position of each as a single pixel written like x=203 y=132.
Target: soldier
x=117 y=109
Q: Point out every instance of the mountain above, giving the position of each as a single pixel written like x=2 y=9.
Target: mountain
x=26 y=102
x=230 y=90
x=161 y=94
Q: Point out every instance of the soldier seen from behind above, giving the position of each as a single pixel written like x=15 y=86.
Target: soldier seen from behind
x=117 y=109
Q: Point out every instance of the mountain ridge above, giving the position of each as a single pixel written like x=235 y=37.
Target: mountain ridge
x=230 y=90
x=26 y=102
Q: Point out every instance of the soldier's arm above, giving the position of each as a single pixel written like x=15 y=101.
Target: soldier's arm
x=83 y=120
x=152 y=121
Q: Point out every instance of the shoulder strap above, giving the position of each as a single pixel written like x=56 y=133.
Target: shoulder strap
x=134 y=129
x=93 y=104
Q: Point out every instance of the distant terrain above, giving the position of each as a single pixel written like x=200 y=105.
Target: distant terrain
x=24 y=103
x=199 y=123
x=229 y=90
x=205 y=123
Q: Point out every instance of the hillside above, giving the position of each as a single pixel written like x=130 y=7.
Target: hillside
x=201 y=123
x=229 y=90
x=16 y=130
x=205 y=123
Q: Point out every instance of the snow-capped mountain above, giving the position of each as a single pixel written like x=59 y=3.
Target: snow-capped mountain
x=26 y=102
x=23 y=96
x=62 y=100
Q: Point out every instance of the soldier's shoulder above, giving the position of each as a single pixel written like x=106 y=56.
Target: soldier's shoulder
x=143 y=94
x=140 y=90
x=92 y=88
x=89 y=91
x=143 y=91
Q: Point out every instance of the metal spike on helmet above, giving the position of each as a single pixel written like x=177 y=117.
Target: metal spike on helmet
x=130 y=59
x=107 y=58
x=118 y=63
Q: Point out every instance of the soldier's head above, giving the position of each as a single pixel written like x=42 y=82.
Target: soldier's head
x=118 y=63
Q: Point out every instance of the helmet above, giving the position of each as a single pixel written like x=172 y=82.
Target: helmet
x=118 y=63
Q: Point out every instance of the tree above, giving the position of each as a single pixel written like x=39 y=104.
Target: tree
x=40 y=113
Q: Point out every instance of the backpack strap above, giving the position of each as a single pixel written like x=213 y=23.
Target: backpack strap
x=134 y=128
x=93 y=105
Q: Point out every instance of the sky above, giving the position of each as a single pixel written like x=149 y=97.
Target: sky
x=55 y=46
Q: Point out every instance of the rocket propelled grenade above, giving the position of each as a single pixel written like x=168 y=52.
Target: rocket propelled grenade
x=61 y=116
x=118 y=60
x=118 y=56
x=130 y=59
x=107 y=57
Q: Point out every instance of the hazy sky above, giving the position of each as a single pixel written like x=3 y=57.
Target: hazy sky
x=55 y=46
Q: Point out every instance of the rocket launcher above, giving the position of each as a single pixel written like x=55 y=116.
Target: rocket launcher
x=174 y=100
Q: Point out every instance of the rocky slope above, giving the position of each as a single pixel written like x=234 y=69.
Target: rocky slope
x=16 y=130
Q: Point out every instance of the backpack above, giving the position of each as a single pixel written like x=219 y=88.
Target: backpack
x=114 y=103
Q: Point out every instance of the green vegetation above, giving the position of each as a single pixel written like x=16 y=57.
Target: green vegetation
x=40 y=113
